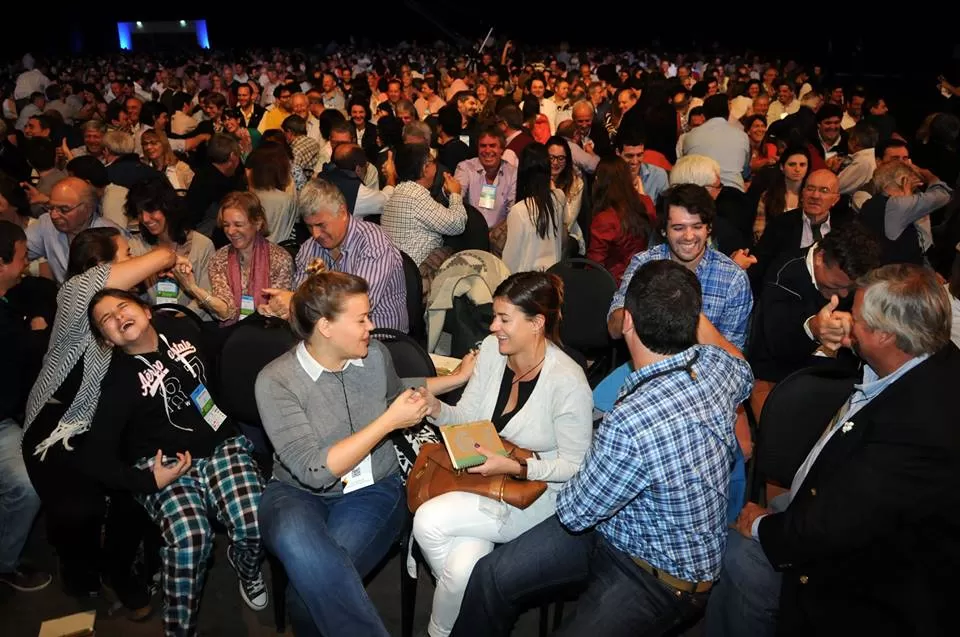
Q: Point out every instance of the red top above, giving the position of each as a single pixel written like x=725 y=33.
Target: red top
x=656 y=158
x=609 y=246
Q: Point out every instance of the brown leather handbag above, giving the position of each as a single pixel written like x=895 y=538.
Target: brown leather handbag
x=433 y=474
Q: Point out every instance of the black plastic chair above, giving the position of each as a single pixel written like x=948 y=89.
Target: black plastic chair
x=409 y=357
x=588 y=290
x=793 y=418
x=476 y=235
x=179 y=311
x=248 y=349
x=415 y=301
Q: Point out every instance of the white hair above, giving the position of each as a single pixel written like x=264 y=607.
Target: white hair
x=319 y=195
x=119 y=142
x=695 y=169
x=909 y=302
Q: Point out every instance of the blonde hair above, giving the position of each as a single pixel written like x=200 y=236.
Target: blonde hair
x=250 y=204
x=168 y=157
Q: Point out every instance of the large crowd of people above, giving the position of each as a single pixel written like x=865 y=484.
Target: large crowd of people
x=758 y=218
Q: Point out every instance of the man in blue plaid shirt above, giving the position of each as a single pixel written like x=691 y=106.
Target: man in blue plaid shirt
x=642 y=526
x=684 y=217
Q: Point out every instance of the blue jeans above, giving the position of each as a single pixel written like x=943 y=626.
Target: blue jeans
x=19 y=503
x=620 y=597
x=746 y=599
x=327 y=545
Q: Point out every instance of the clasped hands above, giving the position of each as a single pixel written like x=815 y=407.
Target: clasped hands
x=832 y=328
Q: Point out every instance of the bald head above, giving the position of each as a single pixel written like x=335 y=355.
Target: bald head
x=350 y=157
x=72 y=203
x=820 y=193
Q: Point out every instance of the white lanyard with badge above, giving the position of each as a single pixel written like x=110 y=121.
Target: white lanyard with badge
x=200 y=396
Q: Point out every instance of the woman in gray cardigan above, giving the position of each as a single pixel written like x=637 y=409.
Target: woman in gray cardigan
x=538 y=398
x=336 y=503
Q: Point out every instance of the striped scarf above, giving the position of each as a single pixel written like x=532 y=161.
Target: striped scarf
x=70 y=339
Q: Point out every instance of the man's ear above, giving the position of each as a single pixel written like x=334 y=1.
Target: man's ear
x=627 y=323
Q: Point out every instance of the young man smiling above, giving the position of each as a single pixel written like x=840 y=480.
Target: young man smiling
x=685 y=219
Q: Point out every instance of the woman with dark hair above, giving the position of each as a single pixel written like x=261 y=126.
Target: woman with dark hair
x=276 y=136
x=164 y=220
x=622 y=217
x=248 y=138
x=763 y=152
x=366 y=132
x=565 y=177
x=538 y=398
x=159 y=435
x=784 y=193
x=59 y=412
x=536 y=232
x=336 y=504
x=429 y=103
x=269 y=178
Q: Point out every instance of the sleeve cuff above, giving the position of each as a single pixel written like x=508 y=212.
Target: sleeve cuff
x=806 y=328
x=755 y=527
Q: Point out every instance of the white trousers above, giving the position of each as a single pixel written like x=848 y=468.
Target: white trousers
x=454 y=531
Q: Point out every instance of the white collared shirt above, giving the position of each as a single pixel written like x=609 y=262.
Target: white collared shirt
x=313 y=368
x=806 y=237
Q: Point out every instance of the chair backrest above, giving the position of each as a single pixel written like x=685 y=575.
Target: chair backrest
x=587 y=291
x=249 y=349
x=181 y=312
x=794 y=417
x=408 y=356
x=476 y=235
x=415 y=300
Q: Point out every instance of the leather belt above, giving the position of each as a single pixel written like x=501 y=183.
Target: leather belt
x=677 y=584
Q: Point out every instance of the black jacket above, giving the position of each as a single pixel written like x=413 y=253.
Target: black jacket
x=779 y=345
x=146 y=405
x=869 y=544
x=129 y=170
x=781 y=238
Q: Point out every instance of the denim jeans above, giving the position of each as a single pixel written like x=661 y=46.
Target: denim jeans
x=19 y=503
x=620 y=597
x=327 y=545
x=746 y=599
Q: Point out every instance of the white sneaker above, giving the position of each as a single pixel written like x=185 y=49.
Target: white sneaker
x=254 y=590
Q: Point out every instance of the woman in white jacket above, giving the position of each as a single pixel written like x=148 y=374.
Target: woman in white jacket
x=538 y=398
x=536 y=231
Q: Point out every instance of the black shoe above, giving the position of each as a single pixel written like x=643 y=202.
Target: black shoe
x=254 y=590
x=26 y=579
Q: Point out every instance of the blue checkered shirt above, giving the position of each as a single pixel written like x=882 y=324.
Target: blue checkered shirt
x=727 y=298
x=655 y=479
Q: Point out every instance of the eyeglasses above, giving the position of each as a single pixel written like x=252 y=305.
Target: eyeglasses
x=558 y=159
x=823 y=190
x=61 y=209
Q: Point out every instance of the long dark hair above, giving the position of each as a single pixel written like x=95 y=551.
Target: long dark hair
x=90 y=248
x=564 y=180
x=536 y=293
x=533 y=186
x=158 y=194
x=775 y=199
x=613 y=188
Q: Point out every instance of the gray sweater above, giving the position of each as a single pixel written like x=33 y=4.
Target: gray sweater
x=304 y=418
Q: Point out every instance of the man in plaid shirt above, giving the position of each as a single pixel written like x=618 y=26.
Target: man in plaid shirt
x=642 y=526
x=305 y=149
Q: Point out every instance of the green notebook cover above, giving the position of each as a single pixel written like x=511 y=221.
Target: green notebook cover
x=460 y=440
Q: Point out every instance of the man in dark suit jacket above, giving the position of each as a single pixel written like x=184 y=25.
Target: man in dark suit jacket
x=866 y=542
x=791 y=321
x=794 y=230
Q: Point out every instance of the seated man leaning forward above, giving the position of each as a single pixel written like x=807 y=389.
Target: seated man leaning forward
x=642 y=526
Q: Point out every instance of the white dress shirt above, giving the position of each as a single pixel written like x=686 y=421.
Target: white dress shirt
x=859 y=172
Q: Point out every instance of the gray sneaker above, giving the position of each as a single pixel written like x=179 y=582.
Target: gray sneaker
x=26 y=579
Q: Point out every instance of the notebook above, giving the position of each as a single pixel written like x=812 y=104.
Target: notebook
x=79 y=625
x=445 y=365
x=460 y=439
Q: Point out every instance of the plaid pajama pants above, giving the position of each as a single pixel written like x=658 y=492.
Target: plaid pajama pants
x=226 y=484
